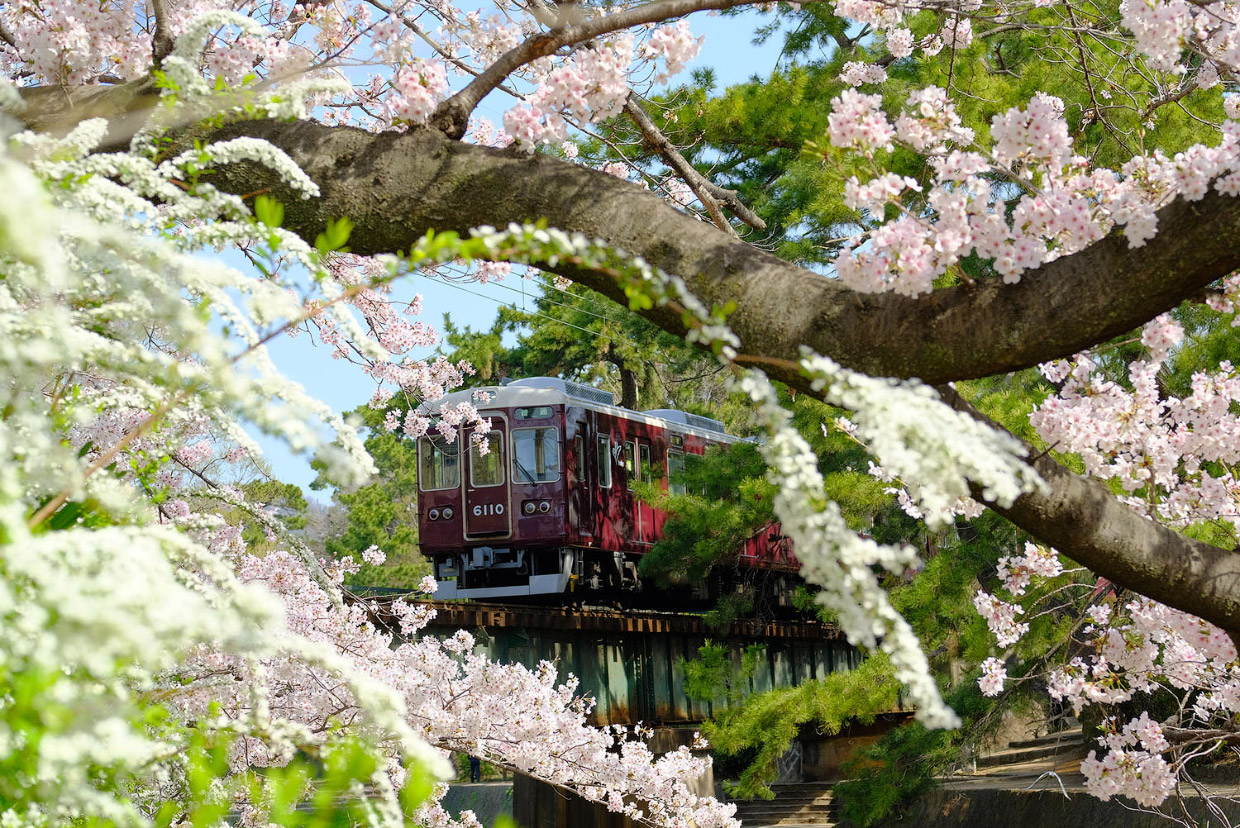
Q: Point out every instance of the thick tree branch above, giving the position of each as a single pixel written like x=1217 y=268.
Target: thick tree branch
x=396 y=187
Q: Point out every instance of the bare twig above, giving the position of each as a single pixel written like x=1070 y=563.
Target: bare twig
x=709 y=194
x=7 y=36
x=141 y=428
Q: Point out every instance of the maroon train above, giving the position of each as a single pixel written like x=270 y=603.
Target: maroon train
x=549 y=510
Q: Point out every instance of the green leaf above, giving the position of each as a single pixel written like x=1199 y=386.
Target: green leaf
x=269 y=211
x=335 y=237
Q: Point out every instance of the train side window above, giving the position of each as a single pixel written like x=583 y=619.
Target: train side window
x=604 y=462
x=579 y=460
x=535 y=455
x=647 y=473
x=630 y=462
x=487 y=469
x=676 y=472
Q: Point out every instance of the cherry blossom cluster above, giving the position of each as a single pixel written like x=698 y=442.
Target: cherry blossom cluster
x=993 y=676
x=591 y=86
x=1065 y=207
x=1137 y=647
x=519 y=717
x=858 y=73
x=416 y=90
x=1038 y=561
x=1171 y=456
x=1001 y=618
x=426 y=48
x=1142 y=775
x=675 y=45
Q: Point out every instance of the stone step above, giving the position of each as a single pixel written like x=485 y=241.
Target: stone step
x=1063 y=737
x=753 y=820
x=821 y=801
x=795 y=804
x=1015 y=756
x=786 y=809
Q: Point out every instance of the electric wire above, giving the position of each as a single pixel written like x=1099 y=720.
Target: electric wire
x=502 y=303
x=545 y=287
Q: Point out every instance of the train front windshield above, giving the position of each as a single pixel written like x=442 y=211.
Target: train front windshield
x=535 y=455
x=439 y=463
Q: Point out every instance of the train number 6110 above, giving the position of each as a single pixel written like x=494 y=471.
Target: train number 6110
x=488 y=509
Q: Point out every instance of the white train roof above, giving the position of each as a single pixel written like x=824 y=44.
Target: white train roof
x=555 y=391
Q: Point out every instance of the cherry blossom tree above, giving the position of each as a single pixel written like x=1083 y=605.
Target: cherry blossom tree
x=267 y=126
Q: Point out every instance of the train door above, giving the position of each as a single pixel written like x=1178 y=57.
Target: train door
x=637 y=468
x=609 y=502
x=647 y=528
x=487 y=502
x=580 y=497
x=631 y=476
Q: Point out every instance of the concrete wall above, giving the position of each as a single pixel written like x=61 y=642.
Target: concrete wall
x=822 y=756
x=982 y=808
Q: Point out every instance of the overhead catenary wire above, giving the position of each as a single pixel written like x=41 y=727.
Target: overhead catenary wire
x=549 y=300
x=610 y=338
x=502 y=303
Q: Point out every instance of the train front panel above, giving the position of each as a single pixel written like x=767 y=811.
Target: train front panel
x=493 y=510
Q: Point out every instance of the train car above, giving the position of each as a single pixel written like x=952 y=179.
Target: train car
x=549 y=510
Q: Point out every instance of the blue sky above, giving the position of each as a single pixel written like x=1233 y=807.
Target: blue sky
x=728 y=50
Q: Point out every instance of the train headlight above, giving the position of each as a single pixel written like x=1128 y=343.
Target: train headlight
x=433 y=514
x=447 y=513
x=544 y=507
x=528 y=508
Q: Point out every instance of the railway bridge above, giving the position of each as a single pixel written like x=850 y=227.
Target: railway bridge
x=630 y=661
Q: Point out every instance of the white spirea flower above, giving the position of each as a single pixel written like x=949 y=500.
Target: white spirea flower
x=923 y=442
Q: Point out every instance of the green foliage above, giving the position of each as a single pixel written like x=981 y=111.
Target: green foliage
x=715 y=677
x=900 y=767
x=766 y=725
x=269 y=211
x=283 y=500
x=883 y=777
x=334 y=238
x=727 y=499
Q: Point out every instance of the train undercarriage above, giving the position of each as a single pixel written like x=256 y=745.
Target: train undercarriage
x=557 y=575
